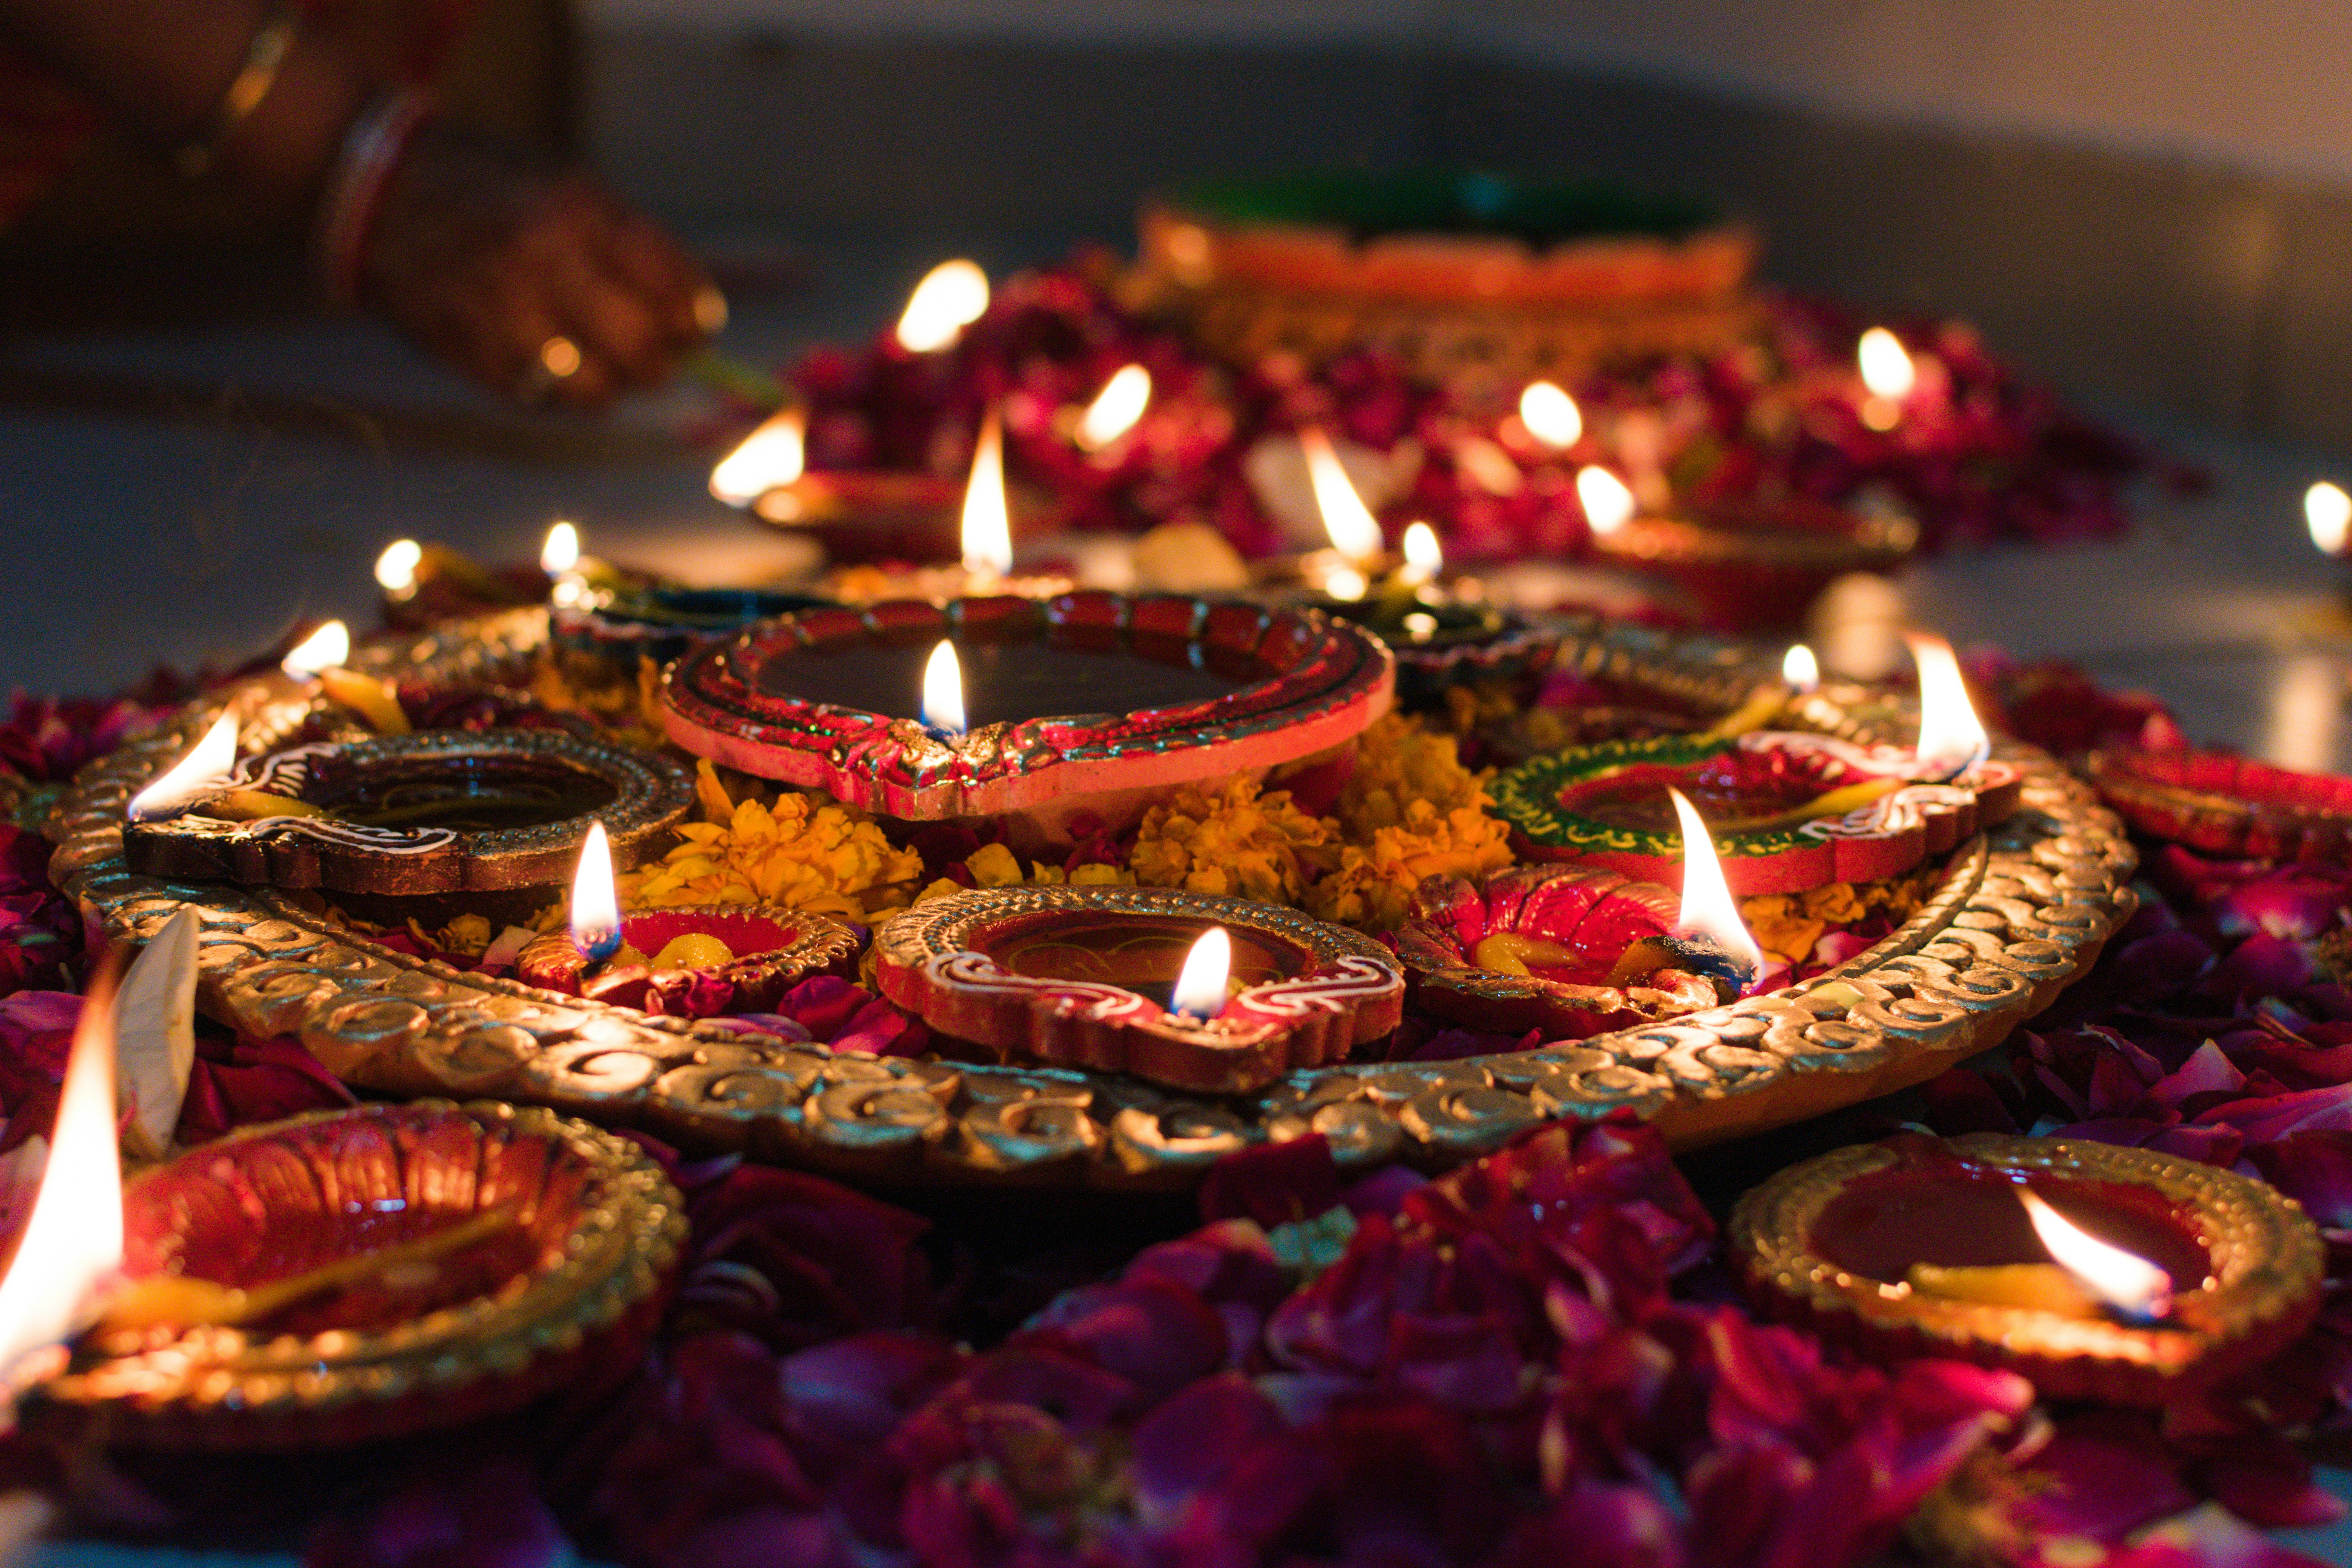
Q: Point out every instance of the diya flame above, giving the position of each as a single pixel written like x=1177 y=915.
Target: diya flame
x=773 y=456
x=595 y=902
x=987 y=514
x=1708 y=909
x=1115 y=408
x=1201 y=985
x=943 y=690
x=2126 y=1281
x=193 y=777
x=952 y=297
x=1952 y=739
x=1355 y=532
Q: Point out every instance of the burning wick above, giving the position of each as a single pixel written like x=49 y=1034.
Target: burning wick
x=2129 y=1284
x=1355 y=534
x=595 y=904
x=943 y=693
x=1952 y=740
x=395 y=569
x=952 y=297
x=1800 y=670
x=987 y=517
x=1425 y=558
x=1550 y=416
x=2327 y=512
x=1608 y=504
x=1888 y=374
x=201 y=772
x=560 y=553
x=325 y=649
x=1200 y=987
x=1709 y=922
x=1115 y=408
x=773 y=456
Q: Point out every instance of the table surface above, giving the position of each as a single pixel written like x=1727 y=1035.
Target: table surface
x=183 y=496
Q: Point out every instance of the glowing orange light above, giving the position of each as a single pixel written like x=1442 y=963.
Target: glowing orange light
x=952 y=296
x=1708 y=909
x=325 y=649
x=395 y=569
x=1951 y=737
x=560 y=553
x=943 y=690
x=1425 y=558
x=2327 y=512
x=1550 y=414
x=1886 y=364
x=775 y=453
x=987 y=516
x=595 y=903
x=1799 y=669
x=1355 y=534
x=2124 y=1281
x=1200 y=987
x=1115 y=408
x=1608 y=504
x=193 y=777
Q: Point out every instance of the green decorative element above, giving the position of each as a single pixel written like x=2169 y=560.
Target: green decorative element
x=1437 y=201
x=1529 y=798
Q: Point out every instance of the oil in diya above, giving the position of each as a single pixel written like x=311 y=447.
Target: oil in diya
x=692 y=961
x=2097 y=1270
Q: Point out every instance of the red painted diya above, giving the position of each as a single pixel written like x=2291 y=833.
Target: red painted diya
x=2227 y=804
x=767 y=950
x=1920 y=1247
x=1787 y=812
x=1755 y=567
x=1090 y=702
x=1083 y=977
x=402 y=1268
x=1546 y=948
x=876 y=514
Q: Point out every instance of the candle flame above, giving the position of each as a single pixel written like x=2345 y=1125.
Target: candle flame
x=1952 y=740
x=1425 y=558
x=560 y=553
x=2327 y=512
x=1799 y=669
x=1550 y=414
x=193 y=777
x=1708 y=909
x=987 y=516
x=1608 y=504
x=952 y=297
x=1355 y=534
x=1347 y=582
x=2123 y=1280
x=1115 y=408
x=72 y=1241
x=775 y=453
x=328 y=646
x=395 y=569
x=595 y=902
x=1886 y=367
x=1200 y=987
x=943 y=690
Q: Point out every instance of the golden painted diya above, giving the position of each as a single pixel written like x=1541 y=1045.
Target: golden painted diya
x=2157 y=1277
x=1088 y=977
x=353 y=1275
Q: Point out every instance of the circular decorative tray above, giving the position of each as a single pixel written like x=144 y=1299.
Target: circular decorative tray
x=2020 y=912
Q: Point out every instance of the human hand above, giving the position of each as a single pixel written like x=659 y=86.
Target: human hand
x=537 y=284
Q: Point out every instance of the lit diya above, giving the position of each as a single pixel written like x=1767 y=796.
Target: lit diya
x=2226 y=805
x=697 y=960
x=1185 y=989
x=1789 y=811
x=440 y=811
x=1090 y=702
x=605 y=633
x=2097 y=1270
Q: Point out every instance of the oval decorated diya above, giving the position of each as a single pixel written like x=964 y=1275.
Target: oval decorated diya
x=1539 y=947
x=440 y=811
x=1757 y=567
x=1787 y=812
x=412 y=1267
x=2227 y=804
x=1087 y=702
x=1444 y=643
x=609 y=631
x=1083 y=977
x=770 y=949
x=1920 y=1247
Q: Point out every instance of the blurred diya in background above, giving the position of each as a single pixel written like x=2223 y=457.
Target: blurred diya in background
x=1188 y=989
x=1091 y=702
x=441 y=811
x=603 y=634
x=2097 y=1270
x=426 y=583
x=2227 y=804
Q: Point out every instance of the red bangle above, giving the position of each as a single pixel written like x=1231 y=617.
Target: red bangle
x=371 y=150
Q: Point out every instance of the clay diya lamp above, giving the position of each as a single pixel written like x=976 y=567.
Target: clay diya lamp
x=696 y=960
x=440 y=811
x=602 y=635
x=1091 y=702
x=2097 y=1271
x=360 y=1274
x=1751 y=566
x=1570 y=950
x=1096 y=977
x=2227 y=804
x=1440 y=640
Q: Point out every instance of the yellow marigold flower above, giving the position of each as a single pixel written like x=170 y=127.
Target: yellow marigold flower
x=1400 y=763
x=1235 y=840
x=993 y=866
x=1835 y=904
x=1781 y=926
x=805 y=852
x=1372 y=889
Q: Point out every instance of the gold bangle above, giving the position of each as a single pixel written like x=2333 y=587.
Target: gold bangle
x=264 y=56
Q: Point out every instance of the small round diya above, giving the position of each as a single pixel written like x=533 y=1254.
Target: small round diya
x=1787 y=812
x=1755 y=567
x=1442 y=642
x=1089 y=702
x=2227 y=804
x=1546 y=948
x=401 y=1269
x=767 y=950
x=610 y=632
x=440 y=811
x=1920 y=1247
x=871 y=514
x=1083 y=976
